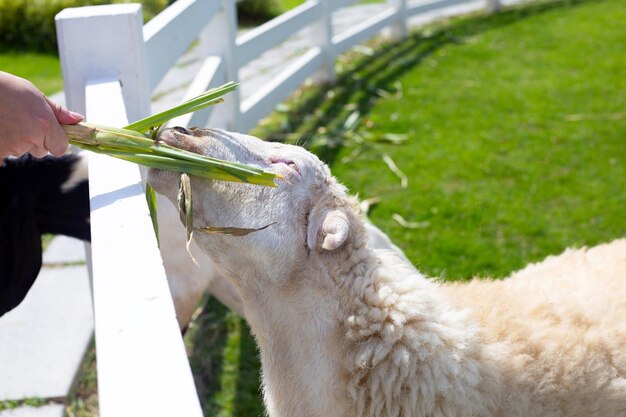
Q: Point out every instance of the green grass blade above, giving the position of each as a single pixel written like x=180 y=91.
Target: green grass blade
x=152 y=206
x=208 y=98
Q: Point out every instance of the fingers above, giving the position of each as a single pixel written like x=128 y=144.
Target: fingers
x=63 y=115
x=38 y=152
x=56 y=140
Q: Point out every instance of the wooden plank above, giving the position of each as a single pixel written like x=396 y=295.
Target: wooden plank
x=263 y=101
x=338 y=4
x=210 y=75
x=104 y=42
x=170 y=33
x=363 y=31
x=142 y=363
x=422 y=7
x=321 y=34
x=256 y=41
x=399 y=28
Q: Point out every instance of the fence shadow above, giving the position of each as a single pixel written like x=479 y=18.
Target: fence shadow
x=326 y=108
x=205 y=340
x=224 y=360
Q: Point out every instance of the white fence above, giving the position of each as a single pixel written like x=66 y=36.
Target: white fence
x=111 y=64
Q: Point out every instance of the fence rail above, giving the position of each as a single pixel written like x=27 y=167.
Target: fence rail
x=111 y=65
x=171 y=32
x=256 y=41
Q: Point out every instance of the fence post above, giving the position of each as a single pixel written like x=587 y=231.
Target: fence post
x=104 y=42
x=219 y=38
x=399 y=30
x=322 y=36
x=142 y=363
x=493 y=6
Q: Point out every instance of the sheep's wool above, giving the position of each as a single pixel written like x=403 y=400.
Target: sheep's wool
x=546 y=342
x=412 y=355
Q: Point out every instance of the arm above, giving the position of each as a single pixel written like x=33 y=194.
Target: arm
x=29 y=121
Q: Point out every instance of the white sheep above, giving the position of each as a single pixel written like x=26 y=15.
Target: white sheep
x=347 y=330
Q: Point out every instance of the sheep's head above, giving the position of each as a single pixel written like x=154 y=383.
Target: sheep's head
x=310 y=212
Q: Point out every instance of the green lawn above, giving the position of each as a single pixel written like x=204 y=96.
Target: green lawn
x=43 y=69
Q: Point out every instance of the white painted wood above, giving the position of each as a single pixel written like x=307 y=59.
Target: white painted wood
x=258 y=40
x=338 y=4
x=363 y=31
x=493 y=6
x=104 y=42
x=399 y=29
x=219 y=38
x=265 y=100
x=419 y=8
x=171 y=32
x=211 y=75
x=322 y=37
x=142 y=363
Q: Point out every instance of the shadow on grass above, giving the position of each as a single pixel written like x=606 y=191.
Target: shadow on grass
x=324 y=110
x=225 y=364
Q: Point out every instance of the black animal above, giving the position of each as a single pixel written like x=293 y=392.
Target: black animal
x=34 y=201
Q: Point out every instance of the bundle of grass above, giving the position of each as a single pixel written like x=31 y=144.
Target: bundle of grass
x=138 y=143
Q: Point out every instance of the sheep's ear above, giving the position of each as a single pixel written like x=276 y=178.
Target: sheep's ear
x=328 y=230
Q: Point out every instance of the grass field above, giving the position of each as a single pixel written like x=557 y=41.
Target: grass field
x=42 y=69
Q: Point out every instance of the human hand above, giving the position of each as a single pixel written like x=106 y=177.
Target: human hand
x=30 y=121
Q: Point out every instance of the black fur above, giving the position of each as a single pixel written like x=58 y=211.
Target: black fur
x=31 y=204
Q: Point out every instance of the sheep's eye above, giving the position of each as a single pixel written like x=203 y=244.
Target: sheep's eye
x=182 y=130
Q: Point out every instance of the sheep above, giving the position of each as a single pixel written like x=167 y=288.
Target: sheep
x=345 y=329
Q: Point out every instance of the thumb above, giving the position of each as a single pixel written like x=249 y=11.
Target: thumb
x=63 y=115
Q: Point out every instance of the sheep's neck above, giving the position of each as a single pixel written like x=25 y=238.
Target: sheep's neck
x=297 y=335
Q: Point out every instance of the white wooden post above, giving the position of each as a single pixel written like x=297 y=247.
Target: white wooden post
x=104 y=42
x=399 y=29
x=218 y=38
x=493 y=6
x=322 y=37
x=142 y=363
